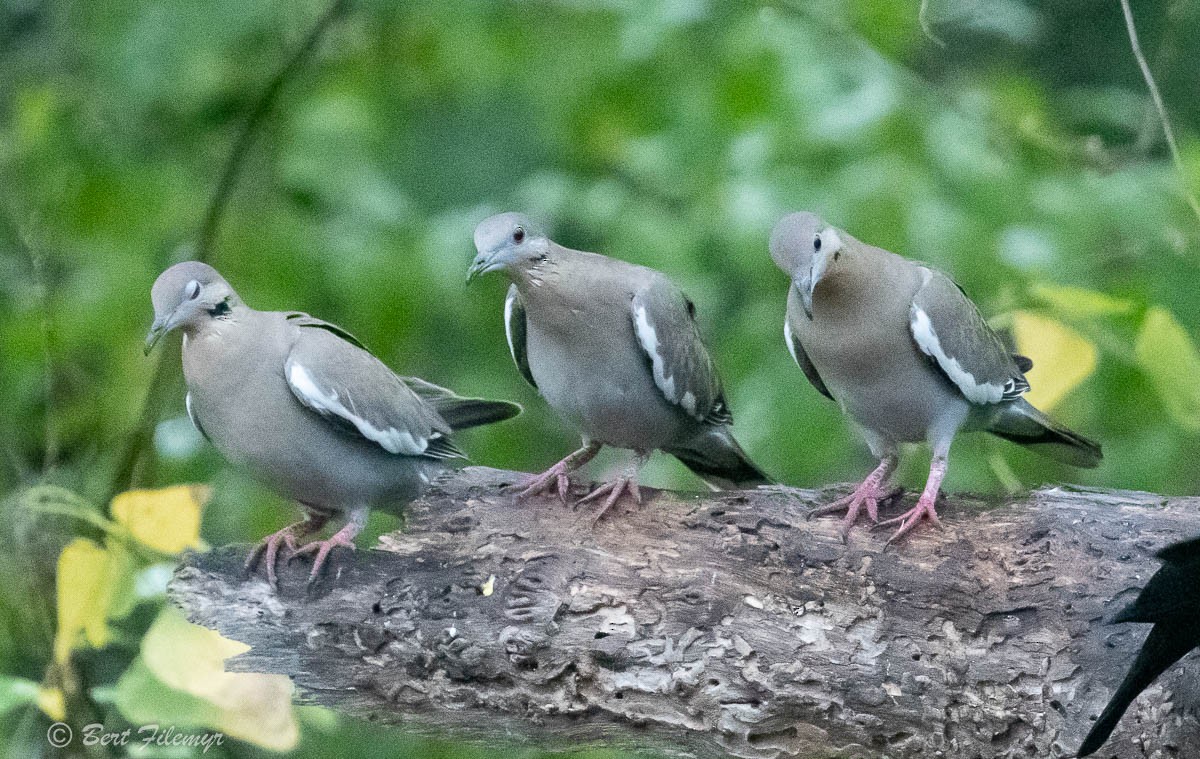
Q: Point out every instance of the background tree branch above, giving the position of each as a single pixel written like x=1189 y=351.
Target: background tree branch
x=1156 y=97
x=714 y=624
x=211 y=223
x=129 y=469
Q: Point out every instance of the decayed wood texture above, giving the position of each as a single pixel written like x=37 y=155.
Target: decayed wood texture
x=727 y=624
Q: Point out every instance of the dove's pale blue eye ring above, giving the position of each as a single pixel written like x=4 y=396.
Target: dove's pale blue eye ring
x=193 y=290
x=817 y=243
x=519 y=235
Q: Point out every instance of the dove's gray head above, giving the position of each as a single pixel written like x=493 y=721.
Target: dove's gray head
x=508 y=241
x=804 y=246
x=186 y=295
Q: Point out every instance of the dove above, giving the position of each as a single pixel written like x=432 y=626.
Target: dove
x=907 y=356
x=306 y=409
x=615 y=350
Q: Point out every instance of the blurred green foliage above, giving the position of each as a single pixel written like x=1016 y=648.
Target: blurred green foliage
x=1021 y=157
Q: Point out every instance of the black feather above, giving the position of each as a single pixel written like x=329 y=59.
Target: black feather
x=464 y=413
x=1170 y=602
x=304 y=320
x=1021 y=423
x=715 y=456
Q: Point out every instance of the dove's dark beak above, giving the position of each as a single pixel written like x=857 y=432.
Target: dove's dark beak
x=483 y=264
x=157 y=330
x=805 y=287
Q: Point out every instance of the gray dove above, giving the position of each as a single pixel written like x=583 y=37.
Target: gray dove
x=907 y=356
x=614 y=349
x=306 y=409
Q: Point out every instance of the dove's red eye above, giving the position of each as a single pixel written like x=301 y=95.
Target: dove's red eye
x=519 y=235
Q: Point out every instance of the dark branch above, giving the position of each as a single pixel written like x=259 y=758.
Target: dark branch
x=727 y=624
x=241 y=147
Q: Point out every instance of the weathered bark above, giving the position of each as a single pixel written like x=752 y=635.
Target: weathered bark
x=728 y=624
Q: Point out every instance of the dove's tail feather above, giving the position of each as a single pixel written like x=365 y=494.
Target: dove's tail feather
x=1023 y=424
x=459 y=412
x=715 y=457
x=464 y=413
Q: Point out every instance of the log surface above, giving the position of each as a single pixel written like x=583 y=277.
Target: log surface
x=727 y=624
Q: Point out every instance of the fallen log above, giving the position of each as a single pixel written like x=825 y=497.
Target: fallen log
x=727 y=624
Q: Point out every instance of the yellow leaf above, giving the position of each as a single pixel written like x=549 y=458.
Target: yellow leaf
x=91 y=578
x=1062 y=358
x=1079 y=302
x=52 y=703
x=167 y=520
x=1167 y=355
x=189 y=658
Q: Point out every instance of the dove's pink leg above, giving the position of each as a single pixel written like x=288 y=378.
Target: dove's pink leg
x=343 y=537
x=268 y=547
x=872 y=490
x=554 y=479
x=925 y=505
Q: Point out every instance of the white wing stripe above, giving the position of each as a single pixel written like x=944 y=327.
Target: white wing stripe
x=787 y=338
x=689 y=402
x=187 y=402
x=508 y=316
x=927 y=340
x=649 y=341
x=390 y=439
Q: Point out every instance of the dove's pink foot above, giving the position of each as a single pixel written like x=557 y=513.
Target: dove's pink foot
x=555 y=480
x=925 y=505
x=268 y=547
x=868 y=494
x=343 y=537
x=614 y=489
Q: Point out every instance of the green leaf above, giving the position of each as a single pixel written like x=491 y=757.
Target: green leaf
x=1166 y=353
x=1079 y=302
x=144 y=699
x=16 y=691
x=51 y=499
